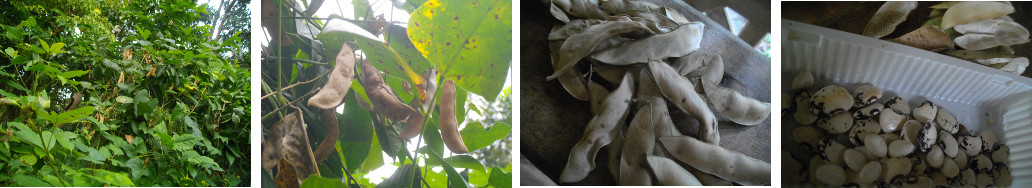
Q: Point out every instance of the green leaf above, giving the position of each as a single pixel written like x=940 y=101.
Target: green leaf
x=29 y=181
x=69 y=116
x=474 y=136
x=56 y=48
x=431 y=135
x=204 y=161
x=454 y=178
x=398 y=39
x=73 y=74
x=65 y=139
x=27 y=134
x=500 y=178
x=165 y=140
x=356 y=134
x=361 y=9
x=375 y=158
x=378 y=53
x=48 y=140
x=183 y=142
x=109 y=178
x=470 y=43
x=135 y=166
x=406 y=176
x=28 y=159
x=412 y=5
x=301 y=55
x=123 y=99
x=465 y=161
x=319 y=182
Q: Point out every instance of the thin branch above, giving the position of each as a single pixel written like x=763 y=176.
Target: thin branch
x=295 y=84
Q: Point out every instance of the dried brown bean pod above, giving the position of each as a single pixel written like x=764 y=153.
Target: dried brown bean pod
x=599 y=132
x=736 y=107
x=383 y=99
x=325 y=147
x=573 y=83
x=449 y=125
x=710 y=158
x=888 y=16
x=668 y=173
x=578 y=46
x=680 y=90
x=679 y=42
x=697 y=64
x=639 y=136
x=296 y=149
x=337 y=86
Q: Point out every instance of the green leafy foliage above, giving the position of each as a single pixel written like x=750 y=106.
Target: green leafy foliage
x=127 y=93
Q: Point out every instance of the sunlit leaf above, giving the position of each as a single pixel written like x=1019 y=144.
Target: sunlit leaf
x=454 y=178
x=123 y=99
x=470 y=43
x=500 y=178
x=475 y=136
x=183 y=142
x=465 y=161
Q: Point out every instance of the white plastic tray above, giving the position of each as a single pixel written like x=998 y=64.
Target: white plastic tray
x=975 y=94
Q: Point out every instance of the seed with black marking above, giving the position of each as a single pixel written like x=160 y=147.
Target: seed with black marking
x=830 y=100
x=866 y=94
x=925 y=112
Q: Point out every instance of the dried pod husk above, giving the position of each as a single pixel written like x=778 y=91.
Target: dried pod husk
x=680 y=90
x=679 y=42
x=639 y=135
x=598 y=96
x=383 y=99
x=713 y=159
x=967 y=12
x=1011 y=65
x=599 y=132
x=295 y=147
x=571 y=81
x=530 y=175
x=995 y=52
x=337 y=86
x=890 y=14
x=990 y=33
x=579 y=45
x=698 y=64
x=668 y=173
x=325 y=147
x=449 y=124
x=927 y=37
x=740 y=109
x=578 y=9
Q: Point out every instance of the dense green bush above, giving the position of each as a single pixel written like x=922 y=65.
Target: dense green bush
x=120 y=93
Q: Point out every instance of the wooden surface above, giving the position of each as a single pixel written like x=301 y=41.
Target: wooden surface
x=553 y=121
x=853 y=16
